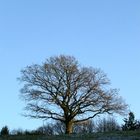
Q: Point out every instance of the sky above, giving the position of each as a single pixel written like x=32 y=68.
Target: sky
x=99 y=33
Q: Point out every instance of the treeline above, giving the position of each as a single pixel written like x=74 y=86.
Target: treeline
x=58 y=128
x=108 y=124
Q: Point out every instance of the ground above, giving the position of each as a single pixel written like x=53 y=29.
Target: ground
x=130 y=135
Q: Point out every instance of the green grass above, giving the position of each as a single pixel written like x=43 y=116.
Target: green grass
x=129 y=135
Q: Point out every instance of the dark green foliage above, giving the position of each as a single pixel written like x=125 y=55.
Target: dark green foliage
x=131 y=123
x=4 y=131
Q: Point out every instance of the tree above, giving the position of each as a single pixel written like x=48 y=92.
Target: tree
x=4 y=130
x=107 y=125
x=130 y=122
x=62 y=90
x=59 y=128
x=18 y=131
x=84 y=127
x=46 y=130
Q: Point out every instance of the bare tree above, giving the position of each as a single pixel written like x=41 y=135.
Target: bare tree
x=84 y=127
x=59 y=128
x=107 y=125
x=45 y=130
x=61 y=89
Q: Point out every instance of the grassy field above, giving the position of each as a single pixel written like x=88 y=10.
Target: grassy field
x=98 y=136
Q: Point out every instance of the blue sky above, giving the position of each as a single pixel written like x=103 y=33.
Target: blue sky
x=99 y=33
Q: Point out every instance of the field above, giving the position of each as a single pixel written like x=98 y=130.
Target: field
x=135 y=135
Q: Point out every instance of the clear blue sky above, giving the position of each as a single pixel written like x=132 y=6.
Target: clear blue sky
x=99 y=33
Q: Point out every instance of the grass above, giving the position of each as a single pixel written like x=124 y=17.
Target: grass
x=130 y=135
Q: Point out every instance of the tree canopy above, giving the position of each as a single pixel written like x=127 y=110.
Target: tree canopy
x=61 y=89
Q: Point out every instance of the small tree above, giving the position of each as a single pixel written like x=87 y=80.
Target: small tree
x=59 y=128
x=62 y=90
x=130 y=122
x=18 y=131
x=4 y=131
x=56 y=128
x=107 y=125
x=46 y=129
x=84 y=127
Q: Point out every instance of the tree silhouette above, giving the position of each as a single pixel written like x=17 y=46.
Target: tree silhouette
x=130 y=122
x=62 y=90
x=4 y=130
x=107 y=125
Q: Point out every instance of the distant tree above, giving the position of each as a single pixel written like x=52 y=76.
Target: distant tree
x=107 y=125
x=62 y=90
x=130 y=122
x=84 y=127
x=41 y=130
x=27 y=132
x=52 y=129
x=59 y=128
x=17 y=132
x=4 y=130
x=46 y=130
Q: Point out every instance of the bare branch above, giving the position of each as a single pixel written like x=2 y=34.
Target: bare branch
x=61 y=89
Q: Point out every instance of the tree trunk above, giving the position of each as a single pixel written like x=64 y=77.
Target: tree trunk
x=69 y=126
